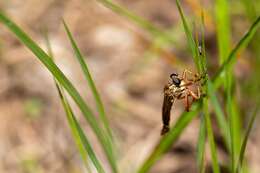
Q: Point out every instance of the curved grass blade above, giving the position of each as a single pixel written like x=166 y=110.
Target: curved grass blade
x=232 y=56
x=90 y=81
x=223 y=28
x=201 y=145
x=170 y=138
x=235 y=129
x=78 y=134
x=191 y=41
x=156 y=32
x=69 y=113
x=210 y=135
x=202 y=132
x=221 y=119
x=244 y=143
x=62 y=79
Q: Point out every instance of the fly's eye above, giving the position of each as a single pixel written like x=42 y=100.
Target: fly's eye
x=173 y=75
x=176 y=81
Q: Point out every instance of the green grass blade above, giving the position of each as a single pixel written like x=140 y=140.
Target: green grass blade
x=207 y=122
x=203 y=46
x=235 y=128
x=96 y=95
x=232 y=56
x=202 y=133
x=169 y=139
x=201 y=145
x=244 y=143
x=90 y=81
x=221 y=119
x=154 y=31
x=210 y=135
x=61 y=78
x=69 y=114
x=78 y=134
x=223 y=28
x=189 y=36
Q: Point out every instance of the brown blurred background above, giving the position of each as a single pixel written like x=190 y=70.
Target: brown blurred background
x=129 y=70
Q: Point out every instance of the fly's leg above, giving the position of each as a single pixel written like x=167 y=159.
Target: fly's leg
x=186 y=84
x=187 y=104
x=184 y=75
x=185 y=72
x=195 y=96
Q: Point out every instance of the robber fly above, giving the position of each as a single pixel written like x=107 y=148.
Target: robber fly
x=180 y=88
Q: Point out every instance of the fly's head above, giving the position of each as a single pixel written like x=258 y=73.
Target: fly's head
x=176 y=81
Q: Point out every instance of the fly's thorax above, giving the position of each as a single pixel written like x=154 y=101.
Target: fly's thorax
x=176 y=90
x=182 y=85
x=173 y=87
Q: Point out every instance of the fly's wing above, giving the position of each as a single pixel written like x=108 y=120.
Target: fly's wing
x=166 y=109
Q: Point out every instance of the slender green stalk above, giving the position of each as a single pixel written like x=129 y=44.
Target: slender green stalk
x=223 y=28
x=90 y=81
x=221 y=119
x=79 y=136
x=96 y=95
x=191 y=41
x=210 y=135
x=201 y=145
x=69 y=114
x=244 y=143
x=224 y=37
x=208 y=124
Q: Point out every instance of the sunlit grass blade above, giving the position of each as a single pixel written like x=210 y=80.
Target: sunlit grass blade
x=154 y=31
x=69 y=114
x=190 y=39
x=223 y=28
x=78 y=134
x=201 y=145
x=64 y=82
x=221 y=119
x=232 y=56
x=96 y=95
x=169 y=139
x=235 y=127
x=207 y=124
x=91 y=83
x=202 y=45
x=211 y=139
x=244 y=142
x=224 y=40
